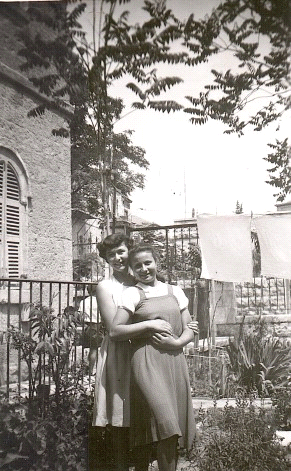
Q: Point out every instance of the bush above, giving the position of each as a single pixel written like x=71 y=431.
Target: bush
x=57 y=442
x=281 y=400
x=238 y=438
x=47 y=350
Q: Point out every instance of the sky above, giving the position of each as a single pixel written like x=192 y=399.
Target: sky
x=194 y=167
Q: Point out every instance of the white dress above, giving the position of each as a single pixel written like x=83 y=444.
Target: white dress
x=111 y=399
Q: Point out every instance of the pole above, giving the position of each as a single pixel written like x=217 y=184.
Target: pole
x=105 y=202
x=212 y=314
x=114 y=204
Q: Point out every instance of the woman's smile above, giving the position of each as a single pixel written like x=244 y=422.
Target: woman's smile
x=144 y=268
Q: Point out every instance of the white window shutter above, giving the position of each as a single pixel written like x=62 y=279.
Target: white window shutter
x=9 y=221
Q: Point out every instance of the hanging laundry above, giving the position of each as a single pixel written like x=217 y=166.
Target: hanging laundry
x=274 y=234
x=226 y=247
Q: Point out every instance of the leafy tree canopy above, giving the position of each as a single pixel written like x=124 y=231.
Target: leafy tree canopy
x=257 y=35
x=254 y=33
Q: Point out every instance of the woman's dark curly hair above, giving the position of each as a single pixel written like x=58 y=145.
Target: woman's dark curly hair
x=112 y=241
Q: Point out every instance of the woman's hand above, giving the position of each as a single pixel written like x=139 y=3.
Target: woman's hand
x=193 y=325
x=160 y=326
x=165 y=341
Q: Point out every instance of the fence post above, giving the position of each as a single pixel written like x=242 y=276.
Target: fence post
x=212 y=314
x=287 y=294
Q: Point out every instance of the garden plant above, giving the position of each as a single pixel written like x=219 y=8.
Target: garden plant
x=49 y=428
x=240 y=438
x=258 y=360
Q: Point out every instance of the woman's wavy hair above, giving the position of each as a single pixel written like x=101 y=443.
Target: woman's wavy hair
x=112 y=241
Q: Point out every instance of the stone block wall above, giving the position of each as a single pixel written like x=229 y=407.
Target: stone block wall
x=48 y=241
x=245 y=302
x=264 y=296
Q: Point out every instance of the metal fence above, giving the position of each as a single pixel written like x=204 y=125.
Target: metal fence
x=42 y=331
x=42 y=328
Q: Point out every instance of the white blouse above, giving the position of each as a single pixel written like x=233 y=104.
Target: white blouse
x=131 y=296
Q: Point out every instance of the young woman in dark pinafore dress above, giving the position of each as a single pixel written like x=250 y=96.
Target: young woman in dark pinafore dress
x=161 y=404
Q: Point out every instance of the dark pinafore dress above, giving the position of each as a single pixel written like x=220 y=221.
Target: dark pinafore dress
x=161 y=403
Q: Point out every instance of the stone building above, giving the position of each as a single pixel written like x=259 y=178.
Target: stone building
x=35 y=168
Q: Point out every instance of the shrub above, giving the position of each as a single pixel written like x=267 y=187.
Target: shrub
x=281 y=400
x=238 y=438
x=47 y=350
x=57 y=442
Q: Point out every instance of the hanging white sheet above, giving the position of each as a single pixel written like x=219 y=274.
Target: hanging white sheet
x=274 y=233
x=226 y=247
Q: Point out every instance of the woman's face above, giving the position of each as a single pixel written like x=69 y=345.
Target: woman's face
x=144 y=268
x=118 y=258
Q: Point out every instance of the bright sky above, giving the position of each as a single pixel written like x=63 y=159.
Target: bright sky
x=194 y=166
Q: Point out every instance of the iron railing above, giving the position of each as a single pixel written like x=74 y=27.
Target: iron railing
x=41 y=333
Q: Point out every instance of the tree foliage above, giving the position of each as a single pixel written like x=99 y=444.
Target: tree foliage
x=256 y=34
x=280 y=172
x=135 y=51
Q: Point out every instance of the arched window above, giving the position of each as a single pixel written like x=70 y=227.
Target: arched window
x=9 y=220
x=14 y=200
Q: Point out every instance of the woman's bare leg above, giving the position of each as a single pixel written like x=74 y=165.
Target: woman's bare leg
x=167 y=454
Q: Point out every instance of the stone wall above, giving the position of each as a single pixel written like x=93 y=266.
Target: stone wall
x=47 y=235
x=265 y=296
x=47 y=161
x=245 y=302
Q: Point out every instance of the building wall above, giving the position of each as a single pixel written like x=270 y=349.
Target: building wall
x=46 y=208
x=48 y=243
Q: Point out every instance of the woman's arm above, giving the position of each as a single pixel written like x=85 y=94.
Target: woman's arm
x=105 y=304
x=122 y=330
x=170 y=343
